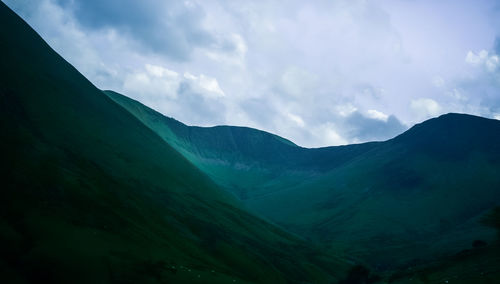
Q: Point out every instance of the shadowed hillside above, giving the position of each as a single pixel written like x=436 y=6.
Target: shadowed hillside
x=393 y=203
x=98 y=188
x=91 y=195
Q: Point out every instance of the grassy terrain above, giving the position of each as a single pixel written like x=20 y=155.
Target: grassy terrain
x=91 y=195
x=245 y=161
x=478 y=264
x=388 y=204
x=98 y=188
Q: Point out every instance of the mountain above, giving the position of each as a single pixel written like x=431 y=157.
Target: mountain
x=390 y=204
x=245 y=161
x=99 y=188
x=91 y=195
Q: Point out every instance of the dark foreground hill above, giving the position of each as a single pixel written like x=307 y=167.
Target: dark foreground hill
x=91 y=195
x=396 y=203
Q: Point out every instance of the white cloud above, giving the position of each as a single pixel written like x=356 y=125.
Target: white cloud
x=172 y=94
x=483 y=58
x=344 y=110
x=297 y=119
x=424 y=108
x=204 y=85
x=375 y=114
x=347 y=69
x=333 y=138
x=152 y=81
x=159 y=71
x=476 y=59
x=492 y=63
x=326 y=134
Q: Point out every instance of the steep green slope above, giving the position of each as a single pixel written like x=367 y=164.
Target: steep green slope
x=417 y=196
x=91 y=195
x=245 y=161
x=412 y=198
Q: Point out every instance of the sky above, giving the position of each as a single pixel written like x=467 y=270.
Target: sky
x=319 y=73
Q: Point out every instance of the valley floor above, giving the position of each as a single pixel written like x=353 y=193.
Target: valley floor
x=479 y=265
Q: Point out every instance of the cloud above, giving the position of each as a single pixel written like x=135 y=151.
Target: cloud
x=297 y=82
x=172 y=93
x=153 y=81
x=317 y=72
x=375 y=126
x=236 y=57
x=425 y=108
x=172 y=28
x=477 y=91
x=344 y=110
x=476 y=59
x=201 y=106
x=484 y=59
x=296 y=119
x=331 y=137
x=375 y=114
x=203 y=84
x=496 y=45
x=63 y=33
x=326 y=134
x=457 y=94
x=355 y=128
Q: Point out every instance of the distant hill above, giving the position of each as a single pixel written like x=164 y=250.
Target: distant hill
x=405 y=200
x=91 y=195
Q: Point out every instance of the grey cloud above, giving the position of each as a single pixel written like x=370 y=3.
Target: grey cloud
x=200 y=107
x=300 y=70
x=260 y=110
x=169 y=28
x=496 y=47
x=22 y=7
x=361 y=128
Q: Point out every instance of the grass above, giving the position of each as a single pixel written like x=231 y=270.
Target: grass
x=91 y=195
x=98 y=188
x=416 y=197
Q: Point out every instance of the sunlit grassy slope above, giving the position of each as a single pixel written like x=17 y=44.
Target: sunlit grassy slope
x=91 y=195
x=246 y=161
x=403 y=201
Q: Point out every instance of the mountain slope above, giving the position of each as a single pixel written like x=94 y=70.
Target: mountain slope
x=245 y=161
x=417 y=196
x=91 y=195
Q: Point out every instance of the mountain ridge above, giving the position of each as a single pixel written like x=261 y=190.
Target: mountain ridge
x=98 y=188
x=314 y=191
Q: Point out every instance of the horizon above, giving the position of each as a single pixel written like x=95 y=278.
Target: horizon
x=282 y=69
x=293 y=142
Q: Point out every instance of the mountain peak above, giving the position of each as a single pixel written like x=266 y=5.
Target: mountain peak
x=452 y=136
x=453 y=123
